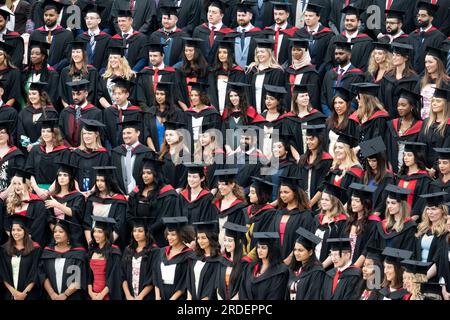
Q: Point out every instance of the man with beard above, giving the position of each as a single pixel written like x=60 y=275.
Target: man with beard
x=12 y=38
x=393 y=5
x=442 y=16
x=342 y=76
x=70 y=117
x=362 y=43
x=58 y=37
x=281 y=31
x=426 y=36
x=394 y=27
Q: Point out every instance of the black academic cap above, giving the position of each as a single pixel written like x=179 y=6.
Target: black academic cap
x=65 y=224
x=286 y=139
x=174 y=125
x=427 y=5
x=292 y=182
x=431 y=288
x=413 y=97
x=335 y=191
x=350 y=10
x=370 y=89
x=135 y=124
x=104 y=223
x=412 y=146
x=104 y=171
x=92 y=125
x=312 y=7
x=434 y=199
x=48 y=123
x=78 y=44
x=245 y=6
x=402 y=49
x=144 y=222
x=154 y=46
x=207 y=126
x=226 y=175
x=340 y=244
x=198 y=86
x=164 y=86
x=238 y=87
x=174 y=223
x=396 y=14
x=386 y=46
x=23 y=221
x=126 y=13
x=414 y=266
x=206 y=226
x=169 y=10
x=51 y=4
x=94 y=7
x=347 y=139
x=437 y=53
x=267 y=238
x=195 y=168
x=227 y=44
x=395 y=256
x=314 y=130
x=362 y=191
x=43 y=45
x=38 y=86
x=21 y=173
x=343 y=93
x=6 y=125
x=442 y=93
x=120 y=82
x=443 y=153
x=5 y=47
x=82 y=84
x=265 y=43
x=374 y=253
x=263 y=184
x=5 y=14
x=371 y=147
x=192 y=42
x=343 y=45
x=153 y=164
x=306 y=238
x=275 y=91
x=397 y=193
x=116 y=50
x=281 y=5
x=221 y=4
x=234 y=230
x=67 y=167
x=300 y=88
x=299 y=43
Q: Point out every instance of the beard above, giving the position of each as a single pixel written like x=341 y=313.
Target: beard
x=50 y=24
x=423 y=24
x=392 y=31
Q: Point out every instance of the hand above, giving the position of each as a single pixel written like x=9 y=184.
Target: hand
x=61 y=297
x=380 y=35
x=29 y=147
x=19 y=295
x=139 y=298
x=52 y=203
x=42 y=193
x=431 y=172
x=129 y=297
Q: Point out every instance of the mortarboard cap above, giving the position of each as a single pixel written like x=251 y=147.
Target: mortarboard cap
x=227 y=44
x=5 y=47
x=206 y=226
x=5 y=13
x=263 y=184
x=402 y=49
x=395 y=256
x=21 y=173
x=135 y=124
x=221 y=4
x=198 y=86
x=335 y=191
x=174 y=223
x=370 y=89
x=193 y=168
x=433 y=288
x=67 y=167
x=299 y=43
x=428 y=6
x=412 y=146
x=362 y=191
x=82 y=84
x=264 y=43
x=411 y=96
x=120 y=82
x=104 y=223
x=245 y=6
x=374 y=253
x=275 y=91
x=437 y=53
x=164 y=86
x=23 y=221
x=312 y=7
x=268 y=238
x=340 y=244
x=116 y=50
x=314 y=130
x=105 y=171
x=43 y=45
x=347 y=139
x=94 y=7
x=56 y=5
x=153 y=164
x=386 y=46
x=443 y=153
x=300 y=88
x=234 y=230
x=78 y=45
x=173 y=125
x=370 y=148
x=343 y=93
x=124 y=13
x=169 y=10
x=154 y=46
x=238 y=87
x=434 y=199
x=351 y=10
x=414 y=266
x=48 y=123
x=307 y=239
x=292 y=182
x=343 y=45
x=281 y=5
x=92 y=125
x=6 y=125
x=226 y=175
x=65 y=224
x=442 y=93
x=397 y=193
x=142 y=222
x=192 y=42
x=38 y=86
x=396 y=14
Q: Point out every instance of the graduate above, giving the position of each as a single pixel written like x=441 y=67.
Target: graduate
x=405 y=127
x=171 y=264
x=372 y=274
x=233 y=263
x=104 y=274
x=10 y=76
x=154 y=199
x=196 y=199
x=397 y=229
x=57 y=262
x=188 y=13
x=65 y=202
x=380 y=62
x=392 y=287
x=89 y=154
x=414 y=274
x=170 y=34
x=19 y=262
x=203 y=269
x=143 y=14
x=6 y=111
x=38 y=106
x=138 y=263
x=315 y=163
x=292 y=212
x=12 y=38
x=42 y=159
x=107 y=200
x=376 y=173
x=342 y=281
x=267 y=277
x=82 y=108
x=10 y=156
x=442 y=181
x=306 y=272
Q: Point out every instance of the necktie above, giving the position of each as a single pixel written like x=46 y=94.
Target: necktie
x=128 y=167
x=91 y=48
x=77 y=113
x=125 y=36
x=389 y=4
x=49 y=37
x=242 y=40
x=336 y=279
x=339 y=78
x=434 y=1
x=448 y=62
x=155 y=79
x=277 y=35
x=132 y=4
x=347 y=2
x=260 y=3
x=211 y=36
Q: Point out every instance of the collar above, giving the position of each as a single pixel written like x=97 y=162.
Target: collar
x=345 y=68
x=83 y=105
x=282 y=27
x=52 y=29
x=349 y=37
x=345 y=267
x=315 y=30
x=94 y=33
x=161 y=66
x=171 y=30
x=397 y=35
x=133 y=146
x=129 y=33
x=245 y=29
x=216 y=26
x=125 y=107
x=1 y=103
x=426 y=30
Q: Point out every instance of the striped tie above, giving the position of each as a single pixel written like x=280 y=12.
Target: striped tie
x=448 y=62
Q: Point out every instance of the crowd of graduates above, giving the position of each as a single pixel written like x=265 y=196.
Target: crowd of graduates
x=224 y=150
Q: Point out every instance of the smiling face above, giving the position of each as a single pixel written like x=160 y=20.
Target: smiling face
x=60 y=235
x=301 y=254
x=203 y=240
x=403 y=107
x=392 y=206
x=229 y=244
x=139 y=234
x=194 y=180
x=287 y=195
x=253 y=196
x=17 y=232
x=325 y=202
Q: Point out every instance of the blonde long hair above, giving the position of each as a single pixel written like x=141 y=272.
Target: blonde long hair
x=439 y=229
x=98 y=141
x=405 y=211
x=57 y=138
x=206 y=154
x=441 y=75
x=350 y=159
x=336 y=205
x=14 y=200
x=179 y=146
x=433 y=117
x=367 y=106
x=387 y=63
x=417 y=279
x=124 y=67
x=272 y=61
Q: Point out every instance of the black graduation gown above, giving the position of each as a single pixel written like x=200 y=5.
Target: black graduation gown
x=76 y=257
x=144 y=14
x=207 y=283
x=432 y=38
x=251 y=165
x=202 y=32
x=286 y=167
x=433 y=139
x=59 y=48
x=188 y=14
x=11 y=160
x=145 y=94
x=42 y=165
x=99 y=58
x=361 y=49
x=399 y=294
x=438 y=185
x=210 y=115
x=149 y=256
x=233 y=214
x=113 y=115
x=46 y=74
x=29 y=127
x=231 y=291
x=418 y=183
x=7 y=113
x=317 y=174
x=346 y=287
x=175 y=173
x=164 y=204
x=113 y=273
x=294 y=125
x=297 y=219
x=271 y=285
x=85 y=161
x=174 y=44
x=199 y=209
x=117 y=210
x=404 y=239
x=75 y=201
x=236 y=74
x=258 y=221
x=309 y=284
x=182 y=79
x=28 y=272
x=11 y=82
x=362 y=240
x=380 y=195
x=167 y=287
x=65 y=92
x=104 y=87
x=136 y=51
x=354 y=174
x=326 y=231
x=393 y=139
x=390 y=90
x=310 y=76
x=284 y=46
x=16 y=41
x=403 y=5
x=71 y=128
x=141 y=152
x=272 y=76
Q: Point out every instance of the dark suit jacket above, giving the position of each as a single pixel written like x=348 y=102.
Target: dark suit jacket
x=21 y=14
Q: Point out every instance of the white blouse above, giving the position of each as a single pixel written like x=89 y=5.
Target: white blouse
x=15 y=266
x=196 y=124
x=59 y=270
x=222 y=91
x=136 y=274
x=259 y=83
x=197 y=271
x=168 y=273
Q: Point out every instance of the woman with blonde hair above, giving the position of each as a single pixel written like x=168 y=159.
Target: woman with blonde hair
x=435 y=132
x=264 y=70
x=117 y=67
x=380 y=62
x=414 y=275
